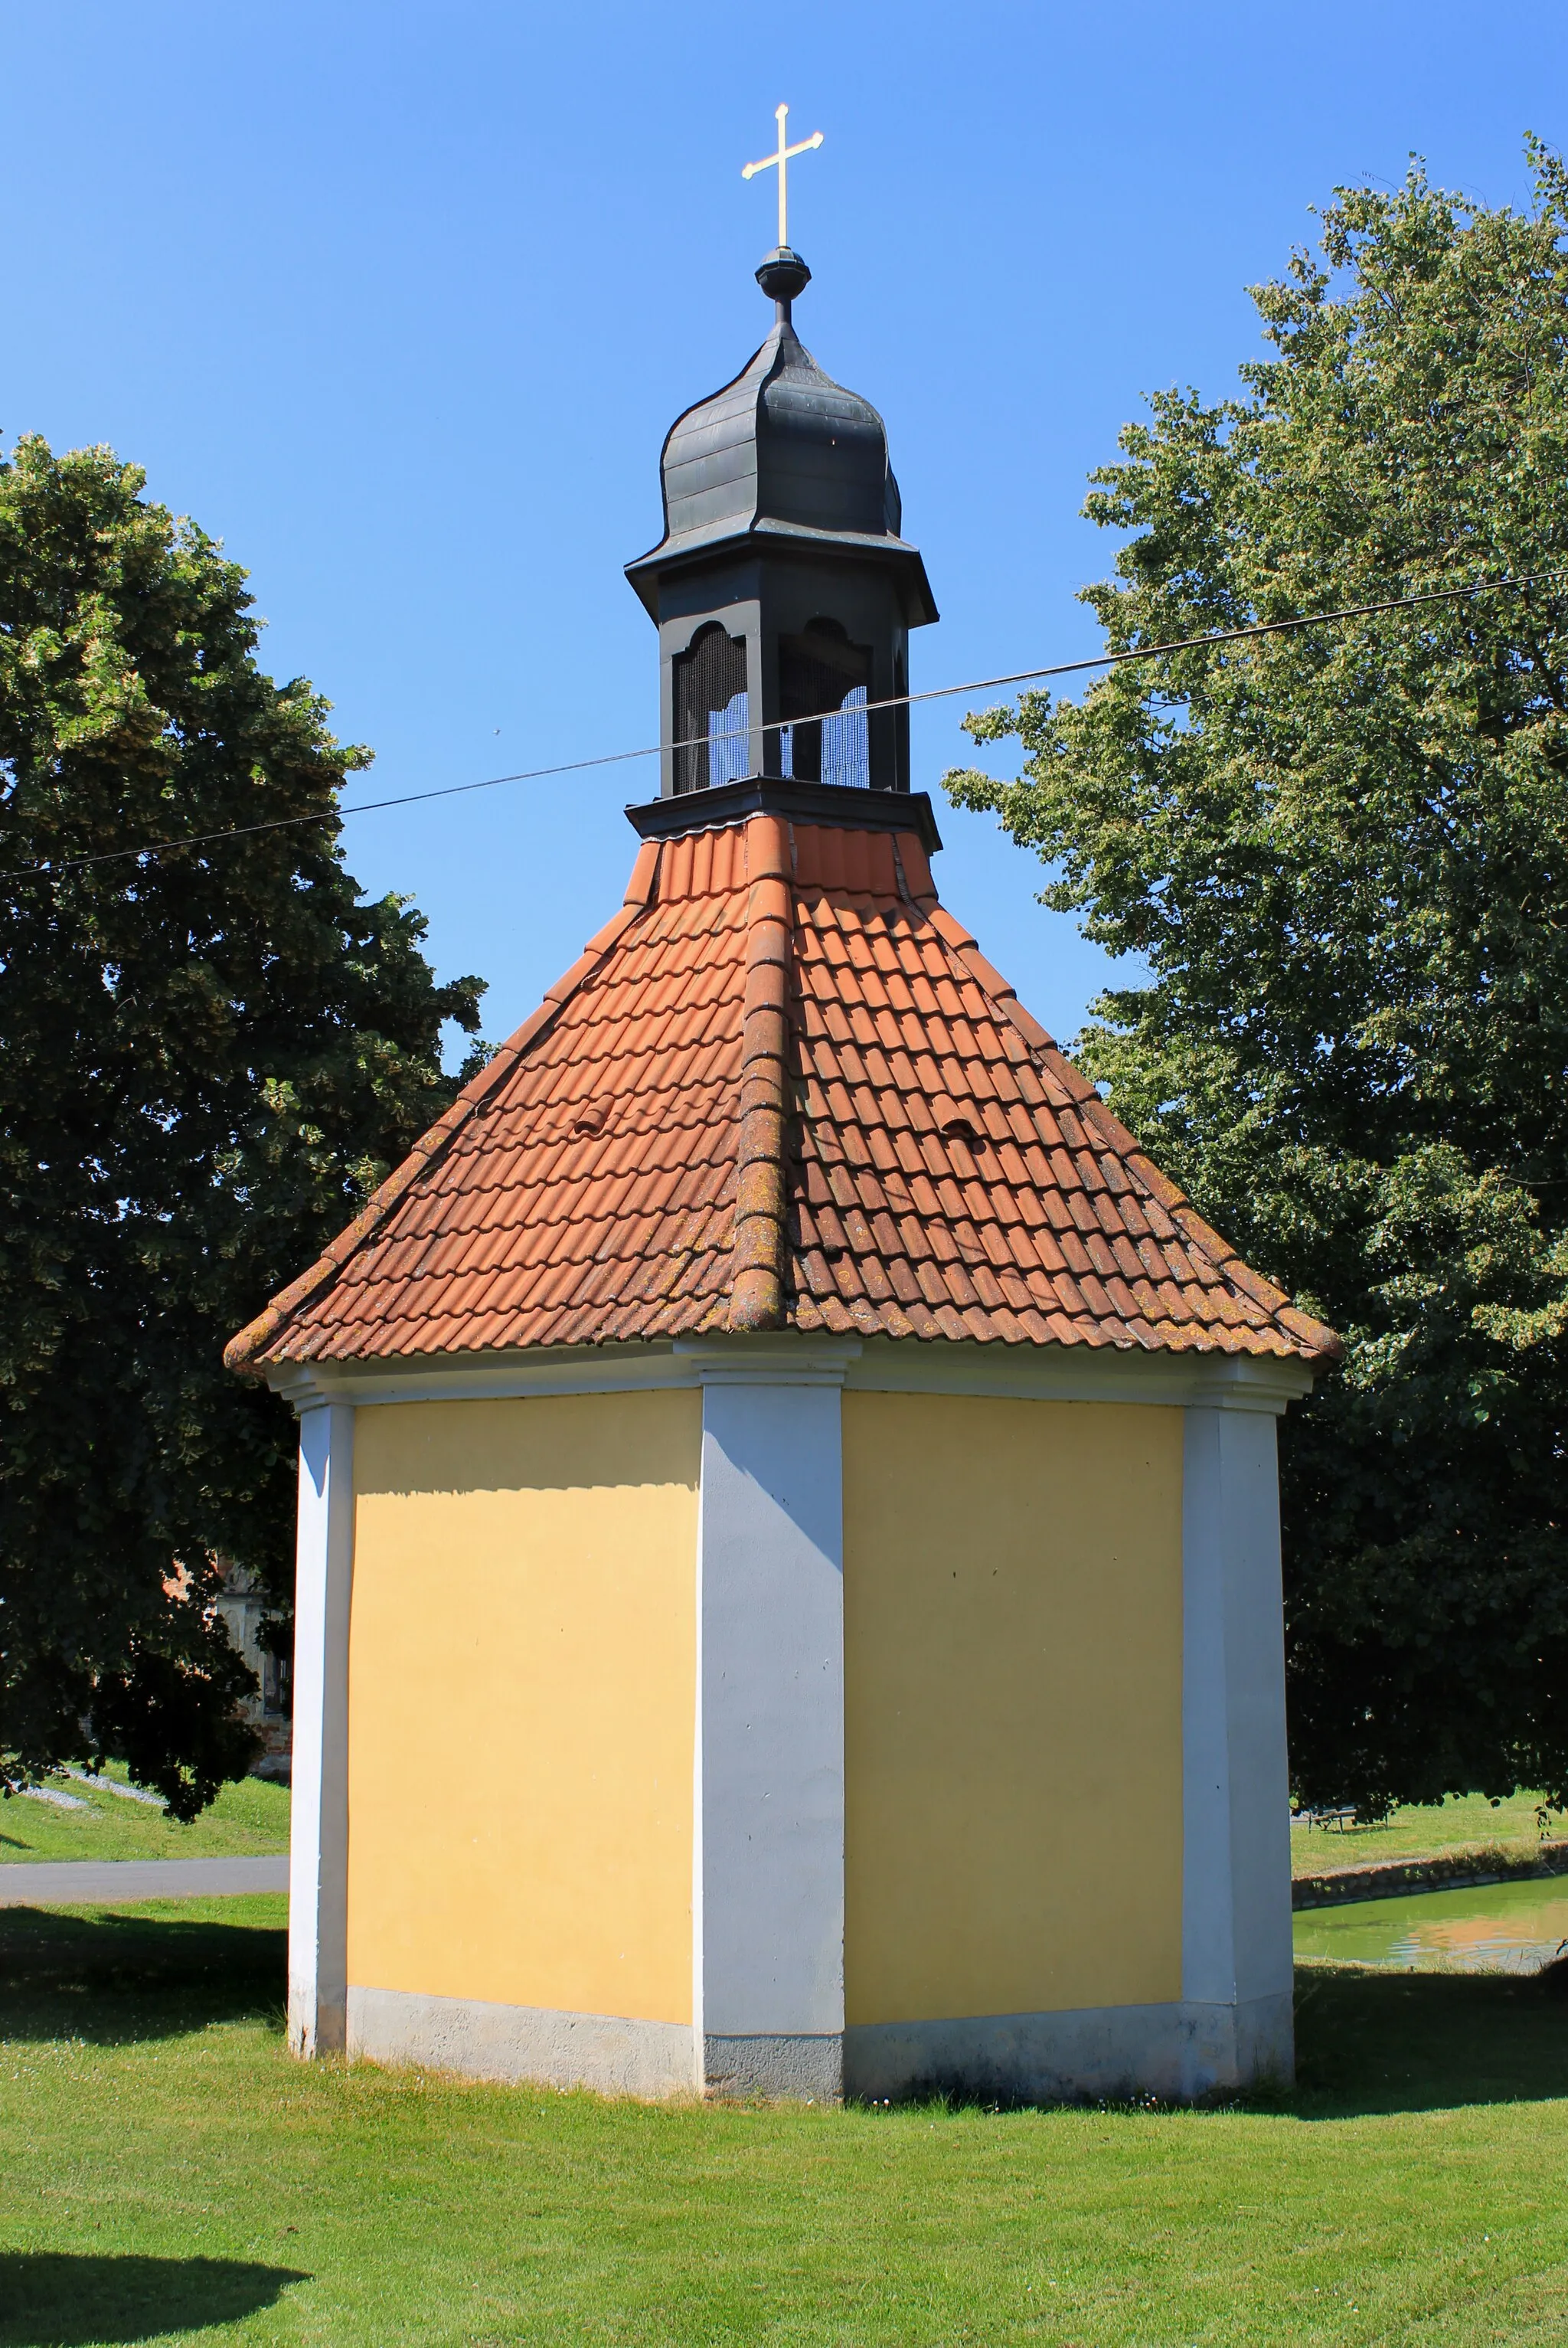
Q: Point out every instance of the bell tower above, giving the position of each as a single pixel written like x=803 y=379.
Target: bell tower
x=782 y=589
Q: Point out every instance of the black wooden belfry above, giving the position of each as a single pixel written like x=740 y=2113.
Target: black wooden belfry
x=782 y=592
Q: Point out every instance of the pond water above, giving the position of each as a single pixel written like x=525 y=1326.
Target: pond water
x=1517 y=1927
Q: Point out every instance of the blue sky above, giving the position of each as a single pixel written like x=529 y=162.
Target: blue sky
x=400 y=300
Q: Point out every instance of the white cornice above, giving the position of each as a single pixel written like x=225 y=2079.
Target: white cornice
x=788 y=1357
x=785 y=1358
x=1081 y=1374
x=483 y=1377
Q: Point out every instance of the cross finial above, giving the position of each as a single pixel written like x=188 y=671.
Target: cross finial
x=748 y=170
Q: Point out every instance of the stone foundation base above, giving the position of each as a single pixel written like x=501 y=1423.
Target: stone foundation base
x=515 y=2043
x=1179 y=2052
x=809 y=2069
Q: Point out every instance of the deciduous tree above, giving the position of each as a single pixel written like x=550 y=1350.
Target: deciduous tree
x=207 y=1057
x=1342 y=856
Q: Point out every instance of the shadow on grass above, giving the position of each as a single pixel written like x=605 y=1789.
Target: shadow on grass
x=1375 y=2041
x=52 y=2300
x=1367 y=2039
x=112 y=1979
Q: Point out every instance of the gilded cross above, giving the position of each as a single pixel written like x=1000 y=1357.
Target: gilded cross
x=748 y=170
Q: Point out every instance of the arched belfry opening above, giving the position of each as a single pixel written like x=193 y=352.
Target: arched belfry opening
x=712 y=711
x=824 y=684
x=783 y=589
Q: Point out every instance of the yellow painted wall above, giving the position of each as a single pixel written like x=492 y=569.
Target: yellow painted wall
x=521 y=1697
x=1012 y=1592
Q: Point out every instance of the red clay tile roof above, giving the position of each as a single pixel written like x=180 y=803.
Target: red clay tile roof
x=782 y=1087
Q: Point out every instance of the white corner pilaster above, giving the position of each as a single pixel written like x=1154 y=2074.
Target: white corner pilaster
x=768 y=1862
x=318 y=1840
x=1237 y=1915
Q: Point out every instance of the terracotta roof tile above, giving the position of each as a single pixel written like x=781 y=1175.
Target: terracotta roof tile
x=583 y=1187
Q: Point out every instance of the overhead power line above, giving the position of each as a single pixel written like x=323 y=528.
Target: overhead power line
x=52 y=865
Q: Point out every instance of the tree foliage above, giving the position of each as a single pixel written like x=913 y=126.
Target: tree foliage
x=1342 y=856
x=207 y=1058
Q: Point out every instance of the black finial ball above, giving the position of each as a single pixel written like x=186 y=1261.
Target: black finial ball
x=783 y=274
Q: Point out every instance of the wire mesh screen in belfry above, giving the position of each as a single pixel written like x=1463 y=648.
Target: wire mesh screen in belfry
x=821 y=670
x=713 y=712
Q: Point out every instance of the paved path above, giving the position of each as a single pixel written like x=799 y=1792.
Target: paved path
x=68 y=1881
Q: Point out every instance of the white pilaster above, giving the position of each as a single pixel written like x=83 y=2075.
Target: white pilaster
x=768 y=1890
x=318 y=1842
x=1236 y=1917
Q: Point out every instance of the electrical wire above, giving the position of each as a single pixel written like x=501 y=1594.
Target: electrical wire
x=51 y=866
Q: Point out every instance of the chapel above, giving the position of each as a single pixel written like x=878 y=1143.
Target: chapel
x=789 y=1582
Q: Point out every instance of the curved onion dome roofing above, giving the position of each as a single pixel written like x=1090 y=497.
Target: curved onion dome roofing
x=782 y=452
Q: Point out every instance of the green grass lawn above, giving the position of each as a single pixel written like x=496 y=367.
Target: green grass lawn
x=1462 y=1823
x=247 y=1819
x=167 y=2171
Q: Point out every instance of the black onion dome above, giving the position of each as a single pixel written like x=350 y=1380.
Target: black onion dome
x=783 y=443
x=782 y=452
